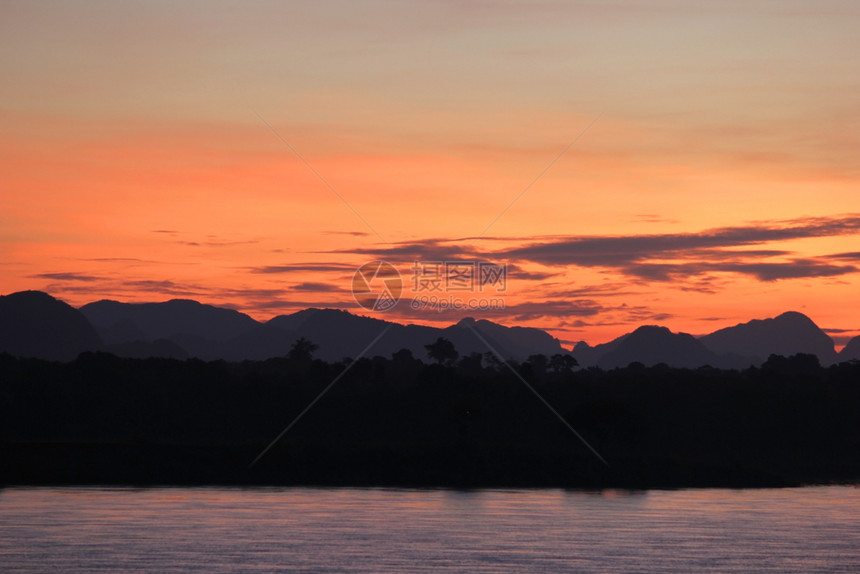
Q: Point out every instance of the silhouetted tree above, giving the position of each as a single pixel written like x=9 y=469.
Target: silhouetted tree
x=560 y=363
x=798 y=364
x=402 y=356
x=442 y=351
x=302 y=350
x=405 y=367
x=362 y=370
x=471 y=364
x=492 y=361
x=538 y=363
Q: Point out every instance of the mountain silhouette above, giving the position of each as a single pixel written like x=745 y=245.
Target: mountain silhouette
x=164 y=320
x=202 y=331
x=851 y=351
x=34 y=324
x=211 y=333
x=652 y=345
x=263 y=341
x=341 y=334
x=786 y=335
x=510 y=342
x=588 y=356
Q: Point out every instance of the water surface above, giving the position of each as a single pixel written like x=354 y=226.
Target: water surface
x=387 y=530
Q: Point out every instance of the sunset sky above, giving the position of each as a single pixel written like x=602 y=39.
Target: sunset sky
x=689 y=164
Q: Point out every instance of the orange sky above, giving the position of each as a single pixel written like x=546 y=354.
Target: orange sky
x=149 y=151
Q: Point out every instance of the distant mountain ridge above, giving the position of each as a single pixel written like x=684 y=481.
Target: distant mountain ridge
x=210 y=333
x=652 y=345
x=35 y=324
x=787 y=334
x=178 y=328
x=744 y=345
x=851 y=351
x=164 y=320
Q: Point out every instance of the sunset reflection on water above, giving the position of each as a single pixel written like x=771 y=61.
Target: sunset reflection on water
x=393 y=530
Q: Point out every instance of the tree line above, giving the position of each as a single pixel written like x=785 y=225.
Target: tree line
x=455 y=421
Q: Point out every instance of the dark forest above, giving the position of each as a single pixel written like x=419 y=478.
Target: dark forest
x=467 y=422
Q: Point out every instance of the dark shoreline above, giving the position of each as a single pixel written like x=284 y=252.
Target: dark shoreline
x=102 y=420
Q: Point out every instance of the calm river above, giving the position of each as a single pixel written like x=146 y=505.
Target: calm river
x=388 y=530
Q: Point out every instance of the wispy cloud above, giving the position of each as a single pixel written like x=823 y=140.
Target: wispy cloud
x=601 y=290
x=350 y=233
x=71 y=276
x=161 y=286
x=312 y=286
x=666 y=257
x=517 y=273
x=852 y=256
x=652 y=218
x=622 y=250
x=211 y=243
x=525 y=311
x=154 y=290
x=434 y=249
x=302 y=268
x=742 y=250
x=763 y=271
